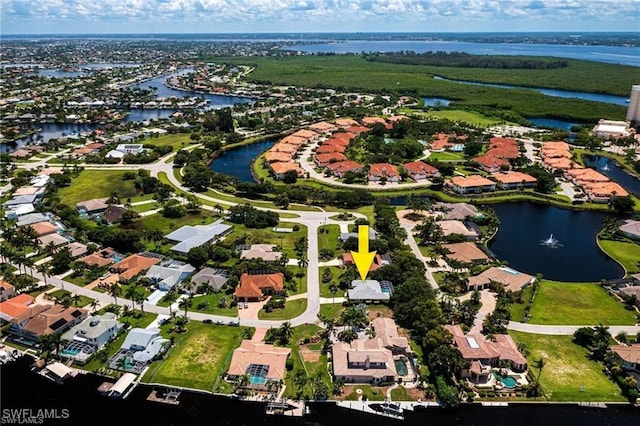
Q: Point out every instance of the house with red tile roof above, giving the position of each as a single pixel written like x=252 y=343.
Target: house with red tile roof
x=328 y=148
x=274 y=156
x=132 y=266
x=44 y=228
x=53 y=319
x=283 y=147
x=294 y=140
x=419 y=170
x=559 y=163
x=472 y=184
x=583 y=175
x=323 y=127
x=343 y=136
x=337 y=141
x=357 y=129
x=15 y=306
x=370 y=121
x=280 y=169
x=255 y=287
x=266 y=363
x=466 y=252
x=514 y=180
x=347 y=260
x=602 y=192
x=491 y=163
x=378 y=171
x=345 y=122
x=323 y=160
x=7 y=290
x=306 y=134
x=628 y=356
x=340 y=168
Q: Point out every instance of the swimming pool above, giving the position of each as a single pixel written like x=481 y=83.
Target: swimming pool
x=70 y=352
x=401 y=367
x=507 y=382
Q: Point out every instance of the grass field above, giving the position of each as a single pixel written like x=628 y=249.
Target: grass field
x=96 y=184
x=445 y=156
x=577 y=304
x=309 y=368
x=473 y=118
x=628 y=254
x=286 y=240
x=198 y=357
x=212 y=305
x=324 y=287
x=176 y=141
x=328 y=239
x=331 y=310
x=568 y=375
x=291 y=309
x=84 y=300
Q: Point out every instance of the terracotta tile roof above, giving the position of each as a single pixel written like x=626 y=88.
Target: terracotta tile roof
x=284 y=147
x=347 y=258
x=282 y=167
x=133 y=265
x=5 y=285
x=560 y=163
x=343 y=135
x=491 y=161
x=345 y=122
x=604 y=189
x=345 y=356
x=630 y=354
x=387 y=330
x=251 y=286
x=44 y=228
x=323 y=126
x=307 y=134
x=345 y=166
x=273 y=156
x=416 y=167
x=367 y=121
x=357 y=129
x=506 y=153
x=513 y=177
x=383 y=169
x=100 y=258
x=15 y=306
x=465 y=252
x=471 y=181
x=327 y=148
x=477 y=347
x=330 y=157
x=586 y=175
x=555 y=145
x=251 y=352
x=555 y=153
x=55 y=318
x=294 y=140
x=95 y=145
x=512 y=280
x=336 y=141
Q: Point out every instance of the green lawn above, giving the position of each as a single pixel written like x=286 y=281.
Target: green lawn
x=628 y=254
x=371 y=393
x=308 y=368
x=292 y=309
x=176 y=141
x=328 y=239
x=199 y=356
x=445 y=156
x=569 y=374
x=157 y=221
x=331 y=310
x=144 y=207
x=336 y=271
x=83 y=301
x=577 y=304
x=473 y=118
x=286 y=240
x=299 y=278
x=212 y=304
x=96 y=184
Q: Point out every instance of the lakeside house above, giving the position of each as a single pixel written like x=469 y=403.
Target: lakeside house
x=140 y=347
x=278 y=157
x=263 y=363
x=280 y=169
x=511 y=279
x=369 y=291
x=190 y=236
x=514 y=180
x=456 y=211
x=610 y=129
x=340 y=168
x=630 y=228
x=471 y=184
x=323 y=160
x=466 y=252
x=16 y=306
x=89 y=336
x=451 y=227
x=256 y=287
x=628 y=357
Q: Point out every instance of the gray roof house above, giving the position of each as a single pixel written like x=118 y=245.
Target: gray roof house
x=145 y=343
x=344 y=236
x=215 y=277
x=31 y=218
x=168 y=274
x=189 y=236
x=456 y=211
x=369 y=291
x=631 y=228
x=89 y=336
x=23 y=199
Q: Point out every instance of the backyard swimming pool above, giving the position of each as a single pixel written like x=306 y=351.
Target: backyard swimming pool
x=401 y=367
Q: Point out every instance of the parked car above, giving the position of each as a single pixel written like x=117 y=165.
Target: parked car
x=219 y=322
x=246 y=305
x=207 y=321
x=234 y=323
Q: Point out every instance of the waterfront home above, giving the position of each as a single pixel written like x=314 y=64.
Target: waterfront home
x=602 y=192
x=265 y=252
x=386 y=171
x=628 y=356
x=514 y=180
x=484 y=354
x=169 y=273
x=275 y=156
x=419 y=170
x=284 y=147
x=579 y=176
x=609 y=129
x=7 y=291
x=189 y=236
x=296 y=141
x=555 y=150
x=101 y=258
x=369 y=291
x=472 y=184
x=122 y=385
x=280 y=169
x=387 y=331
x=491 y=164
x=215 y=278
x=511 y=279
x=94 y=206
x=309 y=135
x=456 y=211
x=263 y=363
x=89 y=336
x=15 y=306
x=561 y=163
x=140 y=347
x=451 y=227
x=132 y=266
x=363 y=361
x=49 y=320
x=340 y=168
x=323 y=160
x=630 y=228
x=465 y=253
x=255 y=287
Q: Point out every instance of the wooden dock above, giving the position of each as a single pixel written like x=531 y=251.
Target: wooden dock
x=283 y=408
x=168 y=396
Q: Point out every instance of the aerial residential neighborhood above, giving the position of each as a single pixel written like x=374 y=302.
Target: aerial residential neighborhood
x=262 y=221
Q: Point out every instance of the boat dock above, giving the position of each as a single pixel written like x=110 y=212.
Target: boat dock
x=165 y=396
x=285 y=408
x=393 y=409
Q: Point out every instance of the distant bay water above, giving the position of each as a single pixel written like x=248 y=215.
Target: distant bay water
x=608 y=54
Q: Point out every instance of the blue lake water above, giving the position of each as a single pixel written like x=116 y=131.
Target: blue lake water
x=60 y=73
x=595 y=97
x=237 y=162
x=609 y=167
x=148 y=114
x=552 y=122
x=436 y=102
x=524 y=225
x=608 y=54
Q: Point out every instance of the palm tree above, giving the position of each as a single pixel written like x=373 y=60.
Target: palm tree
x=601 y=334
x=539 y=364
x=333 y=289
x=185 y=304
x=45 y=270
x=242 y=381
x=130 y=294
x=286 y=332
x=156 y=236
x=115 y=290
x=303 y=262
x=205 y=287
x=75 y=300
x=370 y=332
x=94 y=304
x=139 y=298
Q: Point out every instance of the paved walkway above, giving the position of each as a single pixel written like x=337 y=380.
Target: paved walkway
x=567 y=329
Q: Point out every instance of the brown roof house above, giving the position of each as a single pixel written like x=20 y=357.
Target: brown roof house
x=253 y=288
x=386 y=171
x=130 y=267
x=263 y=363
x=510 y=278
x=265 y=252
x=466 y=253
x=485 y=354
x=53 y=319
x=7 y=291
x=15 y=306
x=419 y=170
x=96 y=205
x=628 y=356
x=363 y=361
x=101 y=258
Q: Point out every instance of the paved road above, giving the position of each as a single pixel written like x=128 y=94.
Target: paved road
x=416 y=251
x=567 y=329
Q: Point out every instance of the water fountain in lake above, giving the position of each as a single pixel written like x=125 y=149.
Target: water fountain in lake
x=550 y=242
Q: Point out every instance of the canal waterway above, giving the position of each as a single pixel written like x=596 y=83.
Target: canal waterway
x=237 y=162
x=610 y=168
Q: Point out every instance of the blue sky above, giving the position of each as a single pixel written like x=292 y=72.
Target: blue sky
x=238 y=16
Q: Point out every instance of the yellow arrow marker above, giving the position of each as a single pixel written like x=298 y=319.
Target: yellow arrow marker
x=363 y=258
